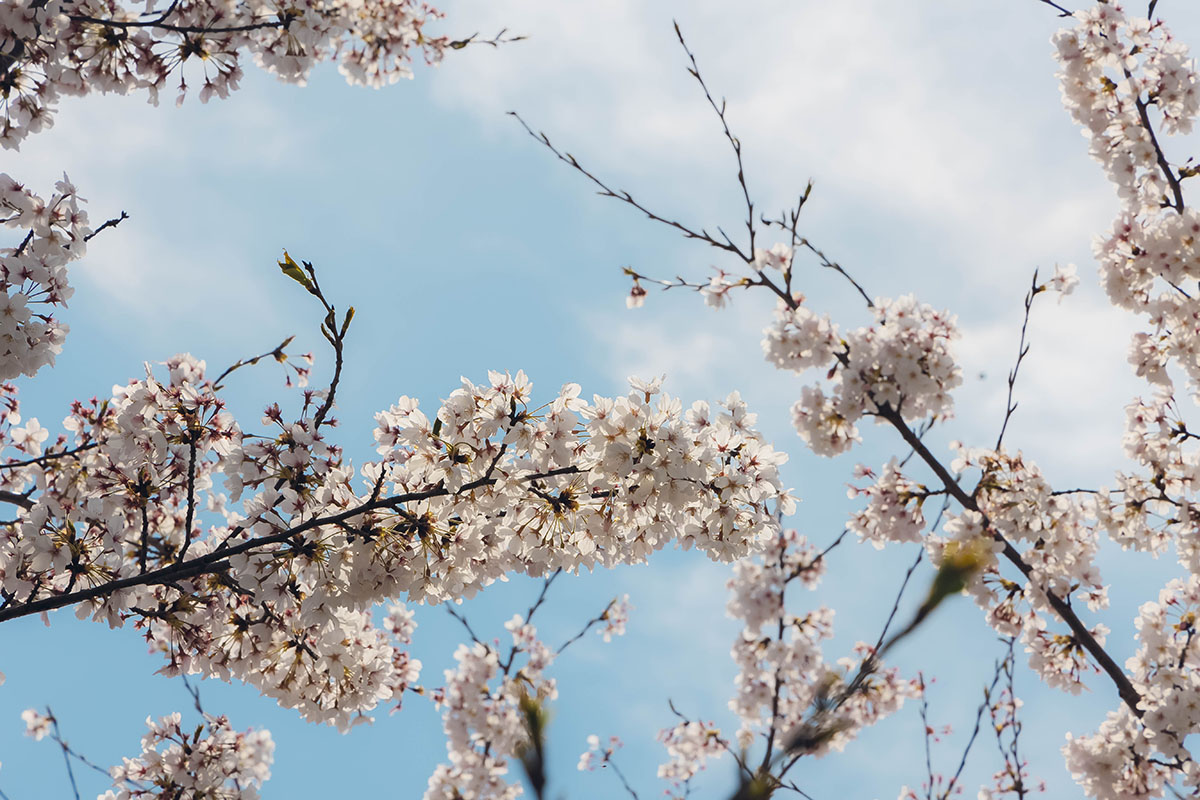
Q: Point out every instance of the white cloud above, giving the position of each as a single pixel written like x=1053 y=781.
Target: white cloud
x=1071 y=389
x=921 y=122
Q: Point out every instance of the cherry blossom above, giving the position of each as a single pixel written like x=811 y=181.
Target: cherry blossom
x=59 y=48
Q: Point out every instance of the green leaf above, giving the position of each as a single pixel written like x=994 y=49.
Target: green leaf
x=293 y=271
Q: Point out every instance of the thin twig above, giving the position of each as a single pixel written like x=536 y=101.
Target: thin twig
x=928 y=731
x=277 y=354
x=42 y=459
x=596 y=620
x=1064 y=12
x=112 y=223
x=194 y=691
x=1022 y=351
x=626 y=197
x=463 y=621
x=987 y=699
x=734 y=142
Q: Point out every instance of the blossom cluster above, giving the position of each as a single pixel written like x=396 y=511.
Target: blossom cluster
x=786 y=692
x=572 y=484
x=208 y=762
x=485 y=705
x=689 y=745
x=273 y=581
x=1136 y=755
x=902 y=362
x=596 y=755
x=33 y=273
x=55 y=48
x=1130 y=84
x=893 y=512
x=1114 y=69
x=212 y=762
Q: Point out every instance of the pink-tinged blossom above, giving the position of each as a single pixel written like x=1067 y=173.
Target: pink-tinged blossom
x=501 y=488
x=785 y=690
x=69 y=50
x=689 y=746
x=615 y=618
x=33 y=275
x=482 y=708
x=37 y=725
x=209 y=762
x=778 y=258
x=902 y=363
x=893 y=512
x=800 y=340
x=597 y=756
x=1063 y=281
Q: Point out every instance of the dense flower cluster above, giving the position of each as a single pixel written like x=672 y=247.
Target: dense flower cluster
x=33 y=273
x=1114 y=69
x=52 y=48
x=1136 y=756
x=490 y=487
x=785 y=690
x=486 y=704
x=689 y=745
x=576 y=485
x=901 y=362
x=1124 y=79
x=893 y=512
x=262 y=557
x=212 y=762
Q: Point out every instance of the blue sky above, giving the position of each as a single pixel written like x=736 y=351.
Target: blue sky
x=944 y=166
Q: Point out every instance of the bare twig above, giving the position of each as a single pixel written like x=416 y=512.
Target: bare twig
x=1022 y=351
x=988 y=692
x=194 y=691
x=500 y=38
x=625 y=197
x=1062 y=12
x=591 y=623
x=278 y=354
x=734 y=142
x=462 y=619
x=112 y=223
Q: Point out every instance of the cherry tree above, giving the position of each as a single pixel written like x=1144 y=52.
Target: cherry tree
x=256 y=551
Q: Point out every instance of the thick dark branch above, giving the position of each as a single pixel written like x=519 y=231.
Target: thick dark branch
x=218 y=560
x=159 y=24
x=16 y=499
x=42 y=459
x=1159 y=155
x=1082 y=635
x=191 y=500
